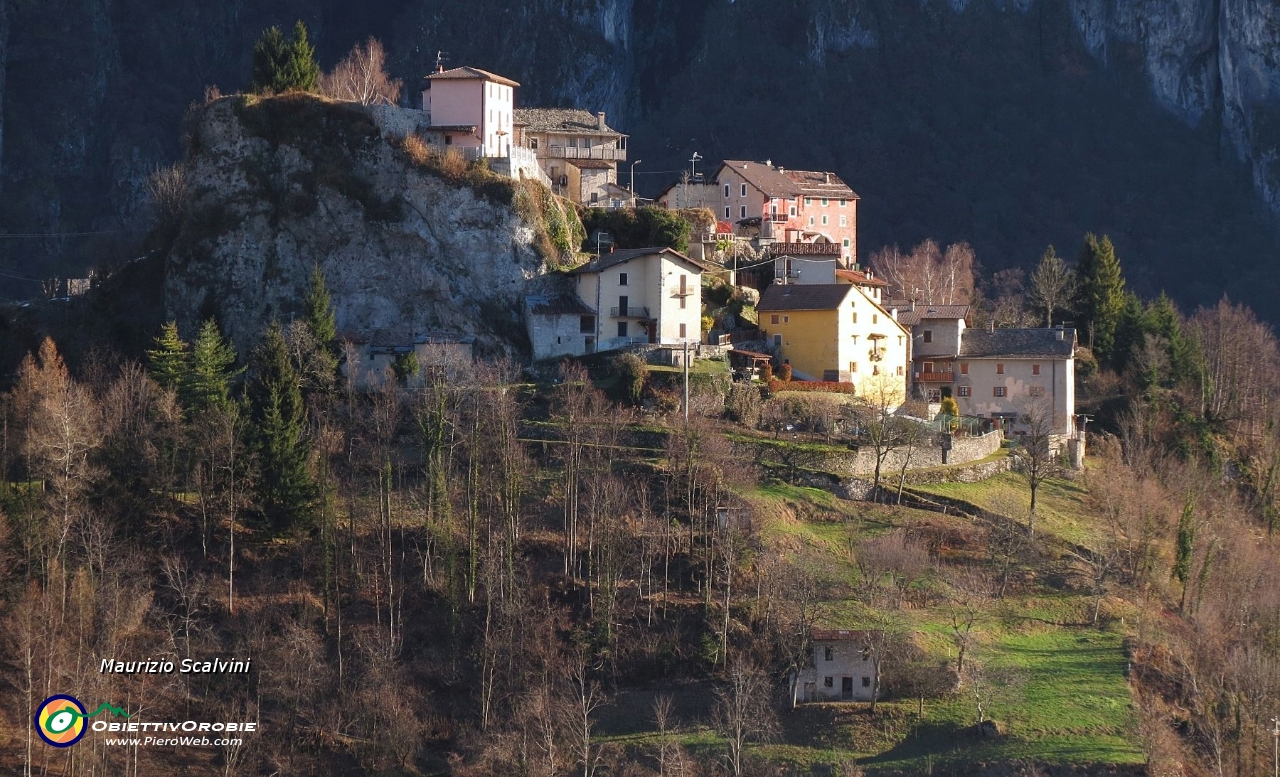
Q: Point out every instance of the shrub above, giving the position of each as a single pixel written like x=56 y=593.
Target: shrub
x=743 y=404
x=784 y=374
x=766 y=374
x=707 y=323
x=949 y=407
x=828 y=386
x=632 y=373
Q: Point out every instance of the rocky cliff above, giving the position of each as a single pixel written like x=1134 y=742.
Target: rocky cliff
x=279 y=185
x=1007 y=123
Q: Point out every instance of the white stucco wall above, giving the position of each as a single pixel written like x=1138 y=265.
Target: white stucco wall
x=1018 y=378
x=650 y=284
x=847 y=661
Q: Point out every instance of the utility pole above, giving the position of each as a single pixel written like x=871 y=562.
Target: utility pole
x=1275 y=746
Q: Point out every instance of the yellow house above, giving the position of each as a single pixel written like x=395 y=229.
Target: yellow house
x=835 y=331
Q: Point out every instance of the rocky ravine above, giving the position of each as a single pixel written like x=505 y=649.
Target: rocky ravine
x=280 y=185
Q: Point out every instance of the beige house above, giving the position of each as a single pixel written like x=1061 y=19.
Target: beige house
x=836 y=332
x=643 y=295
x=577 y=150
x=844 y=668
x=998 y=372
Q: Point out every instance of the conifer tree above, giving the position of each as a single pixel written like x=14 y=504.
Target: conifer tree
x=277 y=427
x=320 y=319
x=212 y=359
x=170 y=360
x=1101 y=295
x=280 y=66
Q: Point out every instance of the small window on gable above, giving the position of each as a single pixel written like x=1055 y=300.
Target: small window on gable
x=928 y=335
x=1035 y=369
x=875 y=318
x=622 y=279
x=726 y=190
x=855 y=316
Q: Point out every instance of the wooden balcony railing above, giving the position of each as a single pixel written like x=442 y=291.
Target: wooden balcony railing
x=935 y=377
x=605 y=153
x=630 y=311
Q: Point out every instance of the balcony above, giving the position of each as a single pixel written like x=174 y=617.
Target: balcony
x=630 y=311
x=678 y=292
x=603 y=153
x=935 y=377
x=779 y=218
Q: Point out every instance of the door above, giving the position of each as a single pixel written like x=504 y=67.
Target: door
x=653 y=331
x=622 y=306
x=846 y=688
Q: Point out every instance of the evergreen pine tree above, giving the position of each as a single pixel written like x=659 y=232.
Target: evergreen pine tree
x=320 y=319
x=270 y=60
x=211 y=361
x=1101 y=299
x=170 y=360
x=302 y=72
x=277 y=426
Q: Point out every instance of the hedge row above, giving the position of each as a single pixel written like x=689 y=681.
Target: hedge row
x=828 y=386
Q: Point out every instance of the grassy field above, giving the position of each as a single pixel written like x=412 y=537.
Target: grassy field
x=1061 y=507
x=1062 y=698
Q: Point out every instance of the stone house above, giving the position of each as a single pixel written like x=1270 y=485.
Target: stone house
x=576 y=149
x=844 y=668
x=836 y=332
x=625 y=297
x=998 y=371
x=373 y=360
x=936 y=335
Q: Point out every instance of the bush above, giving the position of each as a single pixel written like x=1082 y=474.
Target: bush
x=632 y=374
x=639 y=228
x=784 y=374
x=707 y=323
x=828 y=386
x=743 y=404
x=950 y=407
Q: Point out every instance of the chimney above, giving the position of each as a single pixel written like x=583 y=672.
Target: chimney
x=600 y=121
x=913 y=306
x=894 y=312
x=1061 y=334
x=768 y=163
x=826 y=177
x=991 y=325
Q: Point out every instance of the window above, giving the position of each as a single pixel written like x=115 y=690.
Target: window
x=773 y=319
x=855 y=318
x=853 y=366
x=824 y=202
x=792 y=210
x=682 y=331
x=808 y=200
x=866 y=682
x=964 y=368
x=843 y=202
x=1035 y=391
x=448 y=140
x=928 y=335
x=586 y=324
x=963 y=390
x=726 y=191
x=726 y=213
x=811 y=221
x=866 y=654
x=777 y=340
x=573 y=143
x=999 y=391
x=844 y=221
x=743 y=210
x=901 y=338
x=875 y=369
x=622 y=329
x=828 y=654
x=786 y=319
x=595 y=196
x=827 y=683
x=1035 y=369
x=533 y=143
x=999 y=368
x=875 y=318
x=824 y=220
x=900 y=369
x=742 y=190
x=846 y=242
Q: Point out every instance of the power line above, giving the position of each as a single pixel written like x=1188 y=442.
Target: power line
x=67 y=234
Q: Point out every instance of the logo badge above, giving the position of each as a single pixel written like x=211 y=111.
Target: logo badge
x=60 y=720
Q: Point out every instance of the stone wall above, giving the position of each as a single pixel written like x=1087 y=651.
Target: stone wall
x=863 y=460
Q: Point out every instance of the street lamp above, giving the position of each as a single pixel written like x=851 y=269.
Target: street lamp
x=693 y=165
x=633 y=180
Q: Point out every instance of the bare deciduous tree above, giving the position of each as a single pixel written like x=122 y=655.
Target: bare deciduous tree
x=928 y=274
x=1053 y=284
x=743 y=712
x=362 y=77
x=1036 y=458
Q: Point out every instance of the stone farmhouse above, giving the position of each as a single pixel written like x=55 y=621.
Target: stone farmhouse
x=578 y=151
x=844 y=669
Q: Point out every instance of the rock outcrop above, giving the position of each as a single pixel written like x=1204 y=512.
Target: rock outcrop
x=280 y=185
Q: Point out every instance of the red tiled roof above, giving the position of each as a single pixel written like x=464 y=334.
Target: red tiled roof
x=472 y=72
x=860 y=277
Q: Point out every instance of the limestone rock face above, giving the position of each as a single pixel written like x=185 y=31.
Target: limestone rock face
x=287 y=183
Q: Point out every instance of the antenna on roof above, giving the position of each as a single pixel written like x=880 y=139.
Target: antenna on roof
x=693 y=164
x=441 y=58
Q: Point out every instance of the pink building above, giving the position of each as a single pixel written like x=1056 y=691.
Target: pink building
x=472 y=110
x=804 y=212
